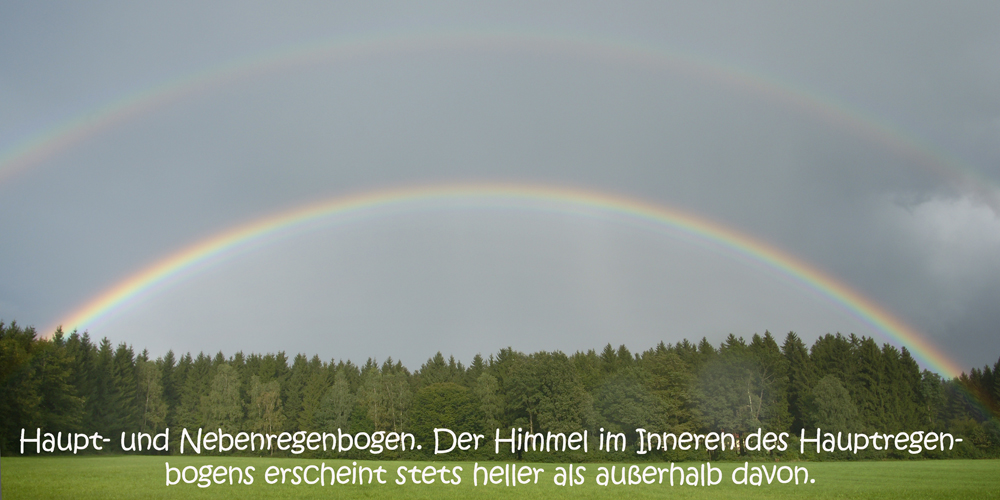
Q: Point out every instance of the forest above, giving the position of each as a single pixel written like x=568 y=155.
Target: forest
x=71 y=383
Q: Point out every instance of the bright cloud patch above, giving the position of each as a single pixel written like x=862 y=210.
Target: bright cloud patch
x=959 y=235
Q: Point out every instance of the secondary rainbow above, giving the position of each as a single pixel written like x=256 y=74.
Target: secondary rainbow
x=560 y=199
x=39 y=147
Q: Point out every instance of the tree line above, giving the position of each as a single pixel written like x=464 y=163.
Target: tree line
x=71 y=383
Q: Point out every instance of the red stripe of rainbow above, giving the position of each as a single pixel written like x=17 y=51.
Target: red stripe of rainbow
x=563 y=199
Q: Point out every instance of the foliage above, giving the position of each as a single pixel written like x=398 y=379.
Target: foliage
x=441 y=405
x=69 y=383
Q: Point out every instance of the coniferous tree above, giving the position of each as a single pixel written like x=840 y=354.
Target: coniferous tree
x=84 y=370
x=292 y=389
x=336 y=406
x=670 y=379
x=910 y=389
x=801 y=378
x=178 y=381
x=61 y=407
x=152 y=404
x=895 y=399
x=100 y=407
x=513 y=382
x=706 y=352
x=866 y=386
x=223 y=405
x=436 y=370
x=312 y=393
x=197 y=383
x=476 y=368
x=168 y=380
x=995 y=392
x=832 y=355
x=125 y=412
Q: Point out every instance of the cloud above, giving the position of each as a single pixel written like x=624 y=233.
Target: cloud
x=948 y=249
x=959 y=238
x=823 y=190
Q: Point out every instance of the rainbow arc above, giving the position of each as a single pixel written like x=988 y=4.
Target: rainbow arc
x=565 y=200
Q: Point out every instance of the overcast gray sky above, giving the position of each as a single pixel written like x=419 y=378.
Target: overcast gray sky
x=862 y=138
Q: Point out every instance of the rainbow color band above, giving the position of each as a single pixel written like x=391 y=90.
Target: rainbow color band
x=568 y=200
x=36 y=149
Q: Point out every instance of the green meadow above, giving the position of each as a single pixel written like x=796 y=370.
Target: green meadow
x=145 y=477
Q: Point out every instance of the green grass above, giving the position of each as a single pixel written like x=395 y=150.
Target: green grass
x=144 y=477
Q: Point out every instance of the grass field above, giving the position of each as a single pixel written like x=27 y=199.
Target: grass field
x=144 y=477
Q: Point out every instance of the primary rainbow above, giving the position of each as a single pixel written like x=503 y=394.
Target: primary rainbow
x=518 y=195
x=39 y=147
